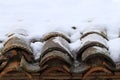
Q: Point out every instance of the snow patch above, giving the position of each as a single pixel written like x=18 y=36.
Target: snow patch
x=57 y=40
x=114 y=48
x=75 y=46
x=76 y=36
x=94 y=38
x=36 y=49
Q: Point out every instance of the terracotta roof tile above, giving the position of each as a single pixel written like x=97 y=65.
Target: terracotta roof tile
x=57 y=59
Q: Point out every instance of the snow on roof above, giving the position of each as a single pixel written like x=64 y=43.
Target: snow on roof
x=94 y=38
x=75 y=44
x=114 y=48
x=31 y=20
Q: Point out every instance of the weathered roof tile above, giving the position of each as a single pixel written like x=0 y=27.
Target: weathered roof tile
x=56 y=56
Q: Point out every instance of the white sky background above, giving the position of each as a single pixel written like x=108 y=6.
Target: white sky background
x=39 y=16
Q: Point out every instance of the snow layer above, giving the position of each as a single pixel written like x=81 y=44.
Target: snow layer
x=63 y=44
x=94 y=38
x=114 y=47
x=41 y=16
x=37 y=49
x=38 y=17
x=95 y=29
x=75 y=46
